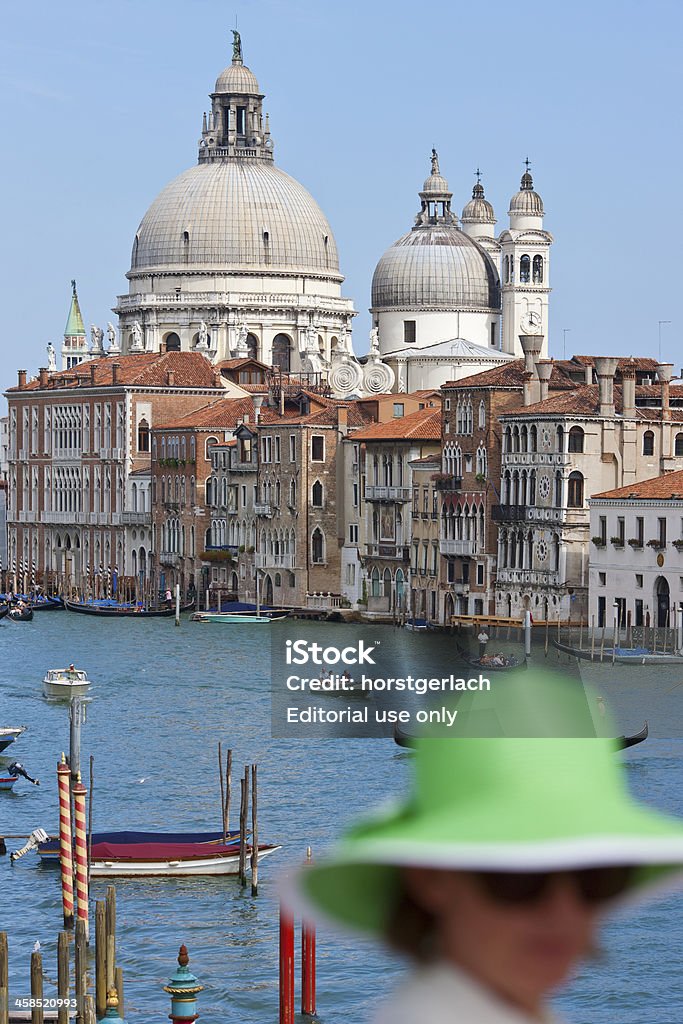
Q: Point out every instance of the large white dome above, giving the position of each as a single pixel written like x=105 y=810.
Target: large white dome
x=235 y=216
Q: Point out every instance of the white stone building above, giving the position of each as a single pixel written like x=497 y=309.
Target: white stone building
x=636 y=553
x=437 y=300
x=556 y=454
x=235 y=258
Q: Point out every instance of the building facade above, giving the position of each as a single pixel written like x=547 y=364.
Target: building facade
x=636 y=554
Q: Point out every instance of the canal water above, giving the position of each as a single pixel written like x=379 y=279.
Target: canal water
x=163 y=698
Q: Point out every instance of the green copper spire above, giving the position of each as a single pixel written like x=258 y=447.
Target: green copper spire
x=74 y=323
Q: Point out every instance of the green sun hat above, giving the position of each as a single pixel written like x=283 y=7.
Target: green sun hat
x=548 y=801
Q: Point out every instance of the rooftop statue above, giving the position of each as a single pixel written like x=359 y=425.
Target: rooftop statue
x=236 y=46
x=435 y=162
x=51 y=359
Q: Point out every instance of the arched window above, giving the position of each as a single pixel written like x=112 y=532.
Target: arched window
x=575 y=490
x=678 y=444
x=252 y=346
x=560 y=438
x=317 y=546
x=576 y=439
x=533 y=439
x=282 y=348
x=648 y=443
x=507 y=269
x=537 y=274
x=524 y=269
x=172 y=342
x=317 y=495
x=374 y=582
x=482 y=415
x=210 y=442
x=143 y=436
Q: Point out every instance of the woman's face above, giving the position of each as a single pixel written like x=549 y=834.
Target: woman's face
x=520 y=950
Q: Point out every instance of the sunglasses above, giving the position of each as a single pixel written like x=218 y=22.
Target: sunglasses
x=517 y=888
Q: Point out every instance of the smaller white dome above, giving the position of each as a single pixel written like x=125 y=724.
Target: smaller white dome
x=526 y=202
x=237 y=79
x=479 y=209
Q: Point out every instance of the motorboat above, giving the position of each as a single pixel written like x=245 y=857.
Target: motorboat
x=233 y=618
x=64 y=683
x=9 y=735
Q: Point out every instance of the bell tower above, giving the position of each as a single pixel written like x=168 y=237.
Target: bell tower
x=525 y=270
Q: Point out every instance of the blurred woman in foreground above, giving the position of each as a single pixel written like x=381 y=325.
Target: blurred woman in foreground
x=494 y=875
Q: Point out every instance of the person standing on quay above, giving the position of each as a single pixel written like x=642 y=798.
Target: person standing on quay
x=494 y=875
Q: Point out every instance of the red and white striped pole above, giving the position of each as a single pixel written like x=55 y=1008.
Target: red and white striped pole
x=66 y=863
x=81 y=855
x=286 y=966
x=308 y=961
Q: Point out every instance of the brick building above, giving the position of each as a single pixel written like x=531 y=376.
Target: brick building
x=79 y=447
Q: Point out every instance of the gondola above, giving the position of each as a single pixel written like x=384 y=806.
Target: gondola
x=404 y=739
x=20 y=614
x=4 y=610
x=630 y=741
x=513 y=663
x=122 y=611
x=46 y=604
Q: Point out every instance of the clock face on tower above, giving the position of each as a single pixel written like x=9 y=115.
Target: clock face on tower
x=530 y=322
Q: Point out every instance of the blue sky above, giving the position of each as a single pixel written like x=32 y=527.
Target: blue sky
x=101 y=104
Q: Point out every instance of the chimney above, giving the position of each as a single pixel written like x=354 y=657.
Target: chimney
x=217 y=378
x=343 y=418
x=605 y=367
x=170 y=378
x=21 y=378
x=43 y=376
x=531 y=347
x=258 y=402
x=115 y=367
x=628 y=391
x=665 y=373
x=92 y=374
x=545 y=370
x=528 y=388
x=588 y=374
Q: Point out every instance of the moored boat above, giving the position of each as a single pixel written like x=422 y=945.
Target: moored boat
x=9 y=735
x=232 y=618
x=64 y=683
x=168 y=855
x=111 y=610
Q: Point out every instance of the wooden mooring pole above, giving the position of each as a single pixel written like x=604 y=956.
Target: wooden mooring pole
x=81 y=969
x=100 y=958
x=37 y=988
x=110 y=917
x=4 y=982
x=254 y=832
x=63 y=977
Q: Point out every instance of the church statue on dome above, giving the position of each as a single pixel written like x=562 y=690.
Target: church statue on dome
x=236 y=47
x=51 y=357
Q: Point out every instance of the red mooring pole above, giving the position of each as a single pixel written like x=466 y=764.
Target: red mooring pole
x=308 y=961
x=286 y=966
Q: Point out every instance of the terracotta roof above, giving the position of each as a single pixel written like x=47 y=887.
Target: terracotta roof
x=637 y=362
x=224 y=414
x=423 y=425
x=233 y=364
x=426 y=460
x=584 y=400
x=148 y=369
x=509 y=375
x=669 y=485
